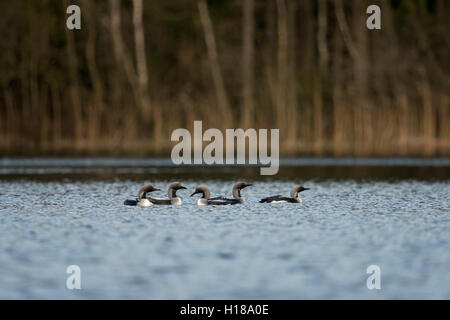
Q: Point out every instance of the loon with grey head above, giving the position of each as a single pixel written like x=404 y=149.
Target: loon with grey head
x=142 y=200
x=205 y=199
x=293 y=199
x=236 y=194
x=172 y=192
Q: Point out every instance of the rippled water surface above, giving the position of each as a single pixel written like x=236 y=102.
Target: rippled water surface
x=318 y=249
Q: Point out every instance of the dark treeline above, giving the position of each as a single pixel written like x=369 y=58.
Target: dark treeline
x=139 y=69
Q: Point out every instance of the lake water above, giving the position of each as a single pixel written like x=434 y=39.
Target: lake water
x=386 y=212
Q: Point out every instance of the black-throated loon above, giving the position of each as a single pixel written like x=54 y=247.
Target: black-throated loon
x=237 y=198
x=205 y=200
x=142 y=200
x=172 y=192
x=293 y=199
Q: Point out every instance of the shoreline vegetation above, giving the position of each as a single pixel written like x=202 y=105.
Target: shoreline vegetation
x=143 y=148
x=138 y=70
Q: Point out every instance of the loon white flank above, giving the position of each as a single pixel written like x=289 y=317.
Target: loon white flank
x=293 y=199
x=142 y=200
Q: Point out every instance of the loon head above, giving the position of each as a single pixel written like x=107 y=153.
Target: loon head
x=204 y=190
x=296 y=189
x=145 y=189
x=238 y=187
x=173 y=189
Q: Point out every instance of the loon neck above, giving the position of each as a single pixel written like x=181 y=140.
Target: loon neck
x=205 y=194
x=142 y=195
x=294 y=193
x=237 y=193
x=172 y=193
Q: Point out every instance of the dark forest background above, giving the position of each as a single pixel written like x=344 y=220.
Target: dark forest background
x=137 y=70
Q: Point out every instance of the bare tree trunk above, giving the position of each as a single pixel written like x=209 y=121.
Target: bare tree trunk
x=142 y=72
x=306 y=62
x=363 y=116
x=56 y=110
x=122 y=56
x=323 y=67
x=24 y=86
x=429 y=120
x=96 y=111
x=222 y=98
x=291 y=102
x=141 y=58
x=343 y=27
x=424 y=45
x=400 y=96
x=357 y=50
x=361 y=44
x=322 y=36
x=282 y=56
x=44 y=117
x=444 y=118
x=442 y=7
x=247 y=65
x=11 y=119
x=74 y=88
x=403 y=122
x=307 y=28
x=269 y=71
x=339 y=114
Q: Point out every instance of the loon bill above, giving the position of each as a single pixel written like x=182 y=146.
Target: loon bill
x=142 y=200
x=294 y=198
x=172 y=193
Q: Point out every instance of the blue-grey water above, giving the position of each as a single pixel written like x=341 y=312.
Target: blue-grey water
x=55 y=214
